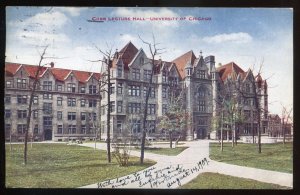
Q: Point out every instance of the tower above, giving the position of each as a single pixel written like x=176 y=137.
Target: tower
x=189 y=98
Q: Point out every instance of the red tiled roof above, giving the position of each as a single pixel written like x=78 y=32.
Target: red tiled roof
x=230 y=69
x=82 y=76
x=31 y=70
x=11 y=68
x=181 y=61
x=126 y=54
x=58 y=73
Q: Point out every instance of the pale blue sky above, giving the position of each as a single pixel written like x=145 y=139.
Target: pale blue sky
x=246 y=36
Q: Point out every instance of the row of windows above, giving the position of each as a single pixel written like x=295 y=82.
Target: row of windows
x=71 y=102
x=48 y=86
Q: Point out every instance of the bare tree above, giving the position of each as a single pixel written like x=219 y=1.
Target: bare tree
x=154 y=51
x=32 y=93
x=286 y=116
x=107 y=61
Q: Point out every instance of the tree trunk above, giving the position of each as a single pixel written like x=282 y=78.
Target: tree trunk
x=222 y=132
x=171 y=139
x=108 y=112
x=145 y=115
x=283 y=131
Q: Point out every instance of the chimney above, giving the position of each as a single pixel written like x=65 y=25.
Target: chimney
x=52 y=64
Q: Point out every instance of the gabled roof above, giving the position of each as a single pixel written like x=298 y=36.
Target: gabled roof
x=181 y=61
x=126 y=54
x=59 y=74
x=12 y=68
x=230 y=70
x=31 y=70
x=159 y=64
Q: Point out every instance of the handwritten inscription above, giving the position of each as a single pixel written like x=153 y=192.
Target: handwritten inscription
x=153 y=177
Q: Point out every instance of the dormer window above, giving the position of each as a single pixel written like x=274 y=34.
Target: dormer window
x=71 y=87
x=47 y=85
x=142 y=61
x=164 y=77
x=202 y=74
x=120 y=70
x=21 y=83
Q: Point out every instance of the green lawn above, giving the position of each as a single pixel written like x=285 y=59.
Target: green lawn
x=274 y=157
x=219 y=181
x=165 y=151
x=63 y=166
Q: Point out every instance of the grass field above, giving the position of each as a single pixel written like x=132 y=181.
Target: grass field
x=275 y=157
x=62 y=166
x=165 y=151
x=219 y=181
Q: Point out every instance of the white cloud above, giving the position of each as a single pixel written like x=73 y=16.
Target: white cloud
x=73 y=11
x=42 y=28
x=240 y=37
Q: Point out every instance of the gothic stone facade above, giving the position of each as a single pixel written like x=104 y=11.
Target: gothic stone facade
x=70 y=105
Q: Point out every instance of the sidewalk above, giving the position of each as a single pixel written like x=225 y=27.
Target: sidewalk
x=175 y=171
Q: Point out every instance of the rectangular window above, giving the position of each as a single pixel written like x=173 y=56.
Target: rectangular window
x=47 y=96
x=8 y=84
x=120 y=88
x=35 y=100
x=72 y=129
x=59 y=87
x=71 y=116
x=112 y=88
x=83 y=116
x=7 y=99
x=59 y=101
x=22 y=99
x=136 y=126
x=36 y=129
x=21 y=83
x=120 y=70
x=164 y=77
x=119 y=126
x=147 y=75
x=7 y=113
x=134 y=107
x=71 y=87
x=47 y=121
x=202 y=74
x=71 y=102
x=82 y=89
x=133 y=90
x=119 y=106
x=47 y=108
x=136 y=74
x=59 y=129
x=21 y=128
x=82 y=102
x=201 y=107
x=22 y=113
x=164 y=92
x=47 y=85
x=59 y=115
x=152 y=92
x=35 y=114
x=83 y=129
x=151 y=109
x=92 y=103
x=112 y=106
x=92 y=89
